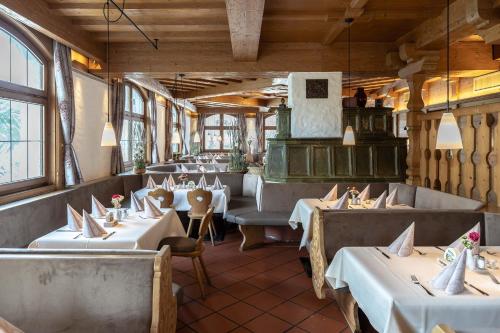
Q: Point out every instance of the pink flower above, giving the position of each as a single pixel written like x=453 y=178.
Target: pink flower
x=474 y=236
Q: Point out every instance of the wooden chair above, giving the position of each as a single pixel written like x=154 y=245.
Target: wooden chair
x=193 y=248
x=165 y=197
x=200 y=200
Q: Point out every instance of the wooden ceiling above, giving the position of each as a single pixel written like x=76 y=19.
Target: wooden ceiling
x=229 y=48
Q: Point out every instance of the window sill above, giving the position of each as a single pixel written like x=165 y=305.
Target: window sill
x=8 y=198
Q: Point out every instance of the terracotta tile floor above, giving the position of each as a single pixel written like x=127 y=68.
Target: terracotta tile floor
x=261 y=290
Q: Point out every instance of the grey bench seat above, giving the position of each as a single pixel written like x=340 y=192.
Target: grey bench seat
x=243 y=211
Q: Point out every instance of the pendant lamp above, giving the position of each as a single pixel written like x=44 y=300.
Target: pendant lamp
x=196 y=138
x=448 y=135
x=349 y=139
x=108 y=138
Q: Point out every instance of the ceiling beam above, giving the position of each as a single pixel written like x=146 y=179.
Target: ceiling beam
x=234 y=100
x=205 y=109
x=468 y=16
x=39 y=16
x=355 y=9
x=231 y=89
x=245 y=21
x=275 y=60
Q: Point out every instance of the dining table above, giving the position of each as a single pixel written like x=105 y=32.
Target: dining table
x=396 y=295
x=135 y=232
x=220 y=197
x=304 y=209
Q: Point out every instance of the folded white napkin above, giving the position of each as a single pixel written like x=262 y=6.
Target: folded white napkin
x=184 y=169
x=165 y=185
x=403 y=245
x=151 y=183
x=392 y=199
x=203 y=169
x=202 y=183
x=98 y=209
x=365 y=194
x=451 y=278
x=75 y=220
x=381 y=201
x=214 y=161
x=171 y=181
x=90 y=227
x=198 y=161
x=150 y=209
x=342 y=203
x=217 y=184
x=332 y=195
x=135 y=204
x=458 y=243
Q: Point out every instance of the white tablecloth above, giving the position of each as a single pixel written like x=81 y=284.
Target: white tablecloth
x=303 y=213
x=384 y=291
x=133 y=233
x=220 y=198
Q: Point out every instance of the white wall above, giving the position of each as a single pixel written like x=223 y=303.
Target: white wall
x=91 y=114
x=315 y=117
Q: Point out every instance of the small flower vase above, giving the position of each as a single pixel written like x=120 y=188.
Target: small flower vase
x=471 y=259
x=184 y=184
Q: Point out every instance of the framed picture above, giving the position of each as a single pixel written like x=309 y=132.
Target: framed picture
x=316 y=88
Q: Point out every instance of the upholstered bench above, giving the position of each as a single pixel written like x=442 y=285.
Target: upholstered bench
x=88 y=290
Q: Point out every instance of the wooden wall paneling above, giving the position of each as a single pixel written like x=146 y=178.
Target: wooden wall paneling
x=492 y=121
x=476 y=157
x=436 y=155
x=468 y=169
x=460 y=190
x=483 y=147
x=427 y=152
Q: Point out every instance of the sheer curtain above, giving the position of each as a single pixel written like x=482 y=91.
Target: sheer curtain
x=117 y=113
x=153 y=126
x=259 y=127
x=65 y=103
x=201 y=129
x=243 y=131
x=168 y=130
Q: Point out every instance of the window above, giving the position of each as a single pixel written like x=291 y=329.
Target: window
x=218 y=129
x=133 y=123
x=269 y=128
x=23 y=107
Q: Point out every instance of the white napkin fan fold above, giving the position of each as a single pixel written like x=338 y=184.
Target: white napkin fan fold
x=98 y=209
x=403 y=245
x=332 y=195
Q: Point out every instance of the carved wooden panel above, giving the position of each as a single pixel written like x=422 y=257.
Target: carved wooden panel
x=472 y=171
x=298 y=161
x=342 y=161
x=363 y=163
x=276 y=154
x=321 y=161
x=387 y=161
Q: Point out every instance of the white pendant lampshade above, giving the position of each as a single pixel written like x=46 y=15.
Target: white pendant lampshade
x=176 y=138
x=108 y=138
x=196 y=138
x=219 y=138
x=349 y=137
x=448 y=135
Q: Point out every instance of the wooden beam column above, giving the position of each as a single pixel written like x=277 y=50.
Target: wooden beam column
x=415 y=105
x=245 y=21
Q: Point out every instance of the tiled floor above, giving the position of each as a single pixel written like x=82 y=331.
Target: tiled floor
x=261 y=290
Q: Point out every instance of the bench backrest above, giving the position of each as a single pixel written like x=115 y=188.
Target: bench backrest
x=87 y=291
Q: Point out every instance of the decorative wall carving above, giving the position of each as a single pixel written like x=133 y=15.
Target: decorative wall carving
x=472 y=171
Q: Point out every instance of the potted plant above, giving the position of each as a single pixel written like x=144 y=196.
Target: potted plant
x=139 y=160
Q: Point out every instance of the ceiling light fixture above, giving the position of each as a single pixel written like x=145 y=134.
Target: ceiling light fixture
x=448 y=135
x=349 y=139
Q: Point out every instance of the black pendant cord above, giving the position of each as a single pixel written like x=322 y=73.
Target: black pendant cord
x=448 y=55
x=153 y=42
x=107 y=54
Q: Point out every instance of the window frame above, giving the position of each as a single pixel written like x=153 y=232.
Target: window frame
x=221 y=128
x=268 y=128
x=25 y=94
x=131 y=116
